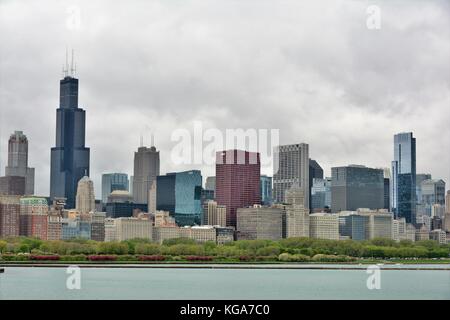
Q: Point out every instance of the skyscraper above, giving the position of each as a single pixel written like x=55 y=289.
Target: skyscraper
x=112 y=182
x=237 y=181
x=85 y=195
x=69 y=157
x=403 y=185
x=266 y=190
x=146 y=169
x=291 y=167
x=355 y=187
x=180 y=194
x=18 y=160
x=432 y=193
x=315 y=172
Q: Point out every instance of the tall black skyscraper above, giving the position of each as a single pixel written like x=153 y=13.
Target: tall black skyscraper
x=70 y=157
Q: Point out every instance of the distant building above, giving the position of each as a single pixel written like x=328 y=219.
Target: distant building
x=76 y=226
x=355 y=186
x=257 y=222
x=18 y=161
x=433 y=192
x=164 y=219
x=237 y=181
x=266 y=190
x=315 y=172
x=365 y=224
x=180 y=194
x=403 y=184
x=439 y=236
x=9 y=216
x=224 y=234
x=146 y=169
x=85 y=199
x=133 y=228
x=199 y=233
x=215 y=214
x=321 y=194
x=69 y=157
x=210 y=183
x=297 y=216
x=422 y=233
x=12 y=185
x=112 y=182
x=420 y=177
x=292 y=167
x=33 y=217
x=98 y=226
x=324 y=226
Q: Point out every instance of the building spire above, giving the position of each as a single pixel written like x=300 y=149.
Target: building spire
x=66 y=65
x=72 y=65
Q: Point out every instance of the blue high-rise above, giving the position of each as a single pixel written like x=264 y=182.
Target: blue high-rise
x=180 y=194
x=69 y=157
x=403 y=187
x=112 y=182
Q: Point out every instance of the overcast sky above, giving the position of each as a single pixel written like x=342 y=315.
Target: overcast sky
x=312 y=69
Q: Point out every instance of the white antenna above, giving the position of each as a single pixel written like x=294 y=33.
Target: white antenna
x=72 y=69
x=66 y=69
x=152 y=140
x=142 y=140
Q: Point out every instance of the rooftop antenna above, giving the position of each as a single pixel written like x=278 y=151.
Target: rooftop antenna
x=152 y=137
x=72 y=68
x=66 y=68
x=142 y=140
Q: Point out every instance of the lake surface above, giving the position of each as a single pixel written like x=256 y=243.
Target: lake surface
x=233 y=284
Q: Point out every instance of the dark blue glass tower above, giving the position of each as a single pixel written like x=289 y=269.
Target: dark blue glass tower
x=403 y=190
x=69 y=157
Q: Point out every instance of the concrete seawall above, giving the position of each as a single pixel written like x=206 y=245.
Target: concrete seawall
x=230 y=266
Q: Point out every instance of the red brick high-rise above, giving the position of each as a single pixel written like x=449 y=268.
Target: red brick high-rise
x=237 y=181
x=9 y=216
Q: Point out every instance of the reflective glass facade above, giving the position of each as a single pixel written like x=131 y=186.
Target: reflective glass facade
x=112 y=182
x=180 y=193
x=69 y=157
x=266 y=190
x=403 y=186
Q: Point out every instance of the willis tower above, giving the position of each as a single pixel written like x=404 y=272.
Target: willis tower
x=69 y=157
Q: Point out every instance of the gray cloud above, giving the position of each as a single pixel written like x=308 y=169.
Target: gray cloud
x=311 y=69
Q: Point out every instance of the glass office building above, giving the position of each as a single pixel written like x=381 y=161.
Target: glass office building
x=112 y=182
x=403 y=186
x=355 y=187
x=180 y=194
x=266 y=190
x=69 y=157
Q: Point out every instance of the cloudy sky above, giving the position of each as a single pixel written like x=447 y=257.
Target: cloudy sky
x=312 y=69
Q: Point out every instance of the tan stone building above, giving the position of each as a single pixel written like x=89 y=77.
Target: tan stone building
x=214 y=214
x=324 y=226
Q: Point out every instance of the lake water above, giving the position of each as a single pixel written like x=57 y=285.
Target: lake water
x=233 y=284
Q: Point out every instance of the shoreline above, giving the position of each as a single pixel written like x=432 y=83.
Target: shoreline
x=291 y=266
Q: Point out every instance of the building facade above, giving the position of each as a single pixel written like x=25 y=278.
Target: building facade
x=291 y=167
x=355 y=186
x=18 y=161
x=33 y=217
x=214 y=214
x=266 y=190
x=85 y=199
x=146 y=169
x=403 y=184
x=112 y=182
x=324 y=226
x=9 y=216
x=12 y=185
x=180 y=194
x=320 y=194
x=257 y=223
x=237 y=181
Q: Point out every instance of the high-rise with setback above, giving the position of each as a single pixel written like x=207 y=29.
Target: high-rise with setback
x=291 y=167
x=69 y=157
x=18 y=160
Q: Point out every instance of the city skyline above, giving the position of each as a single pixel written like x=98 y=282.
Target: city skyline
x=114 y=111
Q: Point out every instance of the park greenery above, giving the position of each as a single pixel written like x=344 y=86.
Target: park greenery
x=187 y=250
